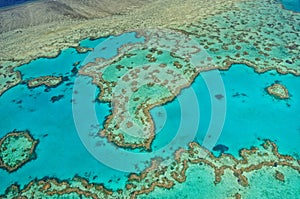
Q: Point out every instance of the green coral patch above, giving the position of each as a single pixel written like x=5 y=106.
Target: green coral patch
x=16 y=149
x=149 y=94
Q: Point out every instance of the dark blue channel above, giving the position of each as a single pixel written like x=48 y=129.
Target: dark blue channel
x=5 y=3
x=293 y=5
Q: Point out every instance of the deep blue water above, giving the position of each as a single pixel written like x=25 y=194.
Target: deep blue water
x=5 y=3
x=252 y=115
x=293 y=5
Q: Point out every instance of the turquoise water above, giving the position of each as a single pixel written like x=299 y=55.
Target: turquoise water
x=60 y=147
x=60 y=152
x=259 y=115
x=252 y=115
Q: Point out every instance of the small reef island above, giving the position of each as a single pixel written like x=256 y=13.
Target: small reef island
x=16 y=149
x=278 y=91
x=49 y=81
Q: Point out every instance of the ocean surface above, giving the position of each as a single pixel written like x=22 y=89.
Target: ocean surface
x=6 y=3
x=252 y=115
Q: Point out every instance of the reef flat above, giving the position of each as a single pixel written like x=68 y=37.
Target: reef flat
x=16 y=149
x=46 y=35
x=247 y=34
x=167 y=173
x=141 y=76
x=47 y=38
x=278 y=91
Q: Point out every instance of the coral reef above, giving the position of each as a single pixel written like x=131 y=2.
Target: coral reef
x=166 y=173
x=16 y=149
x=278 y=91
x=49 y=81
x=141 y=76
x=247 y=34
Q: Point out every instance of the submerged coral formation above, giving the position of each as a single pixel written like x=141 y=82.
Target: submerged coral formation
x=247 y=34
x=49 y=81
x=166 y=173
x=16 y=149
